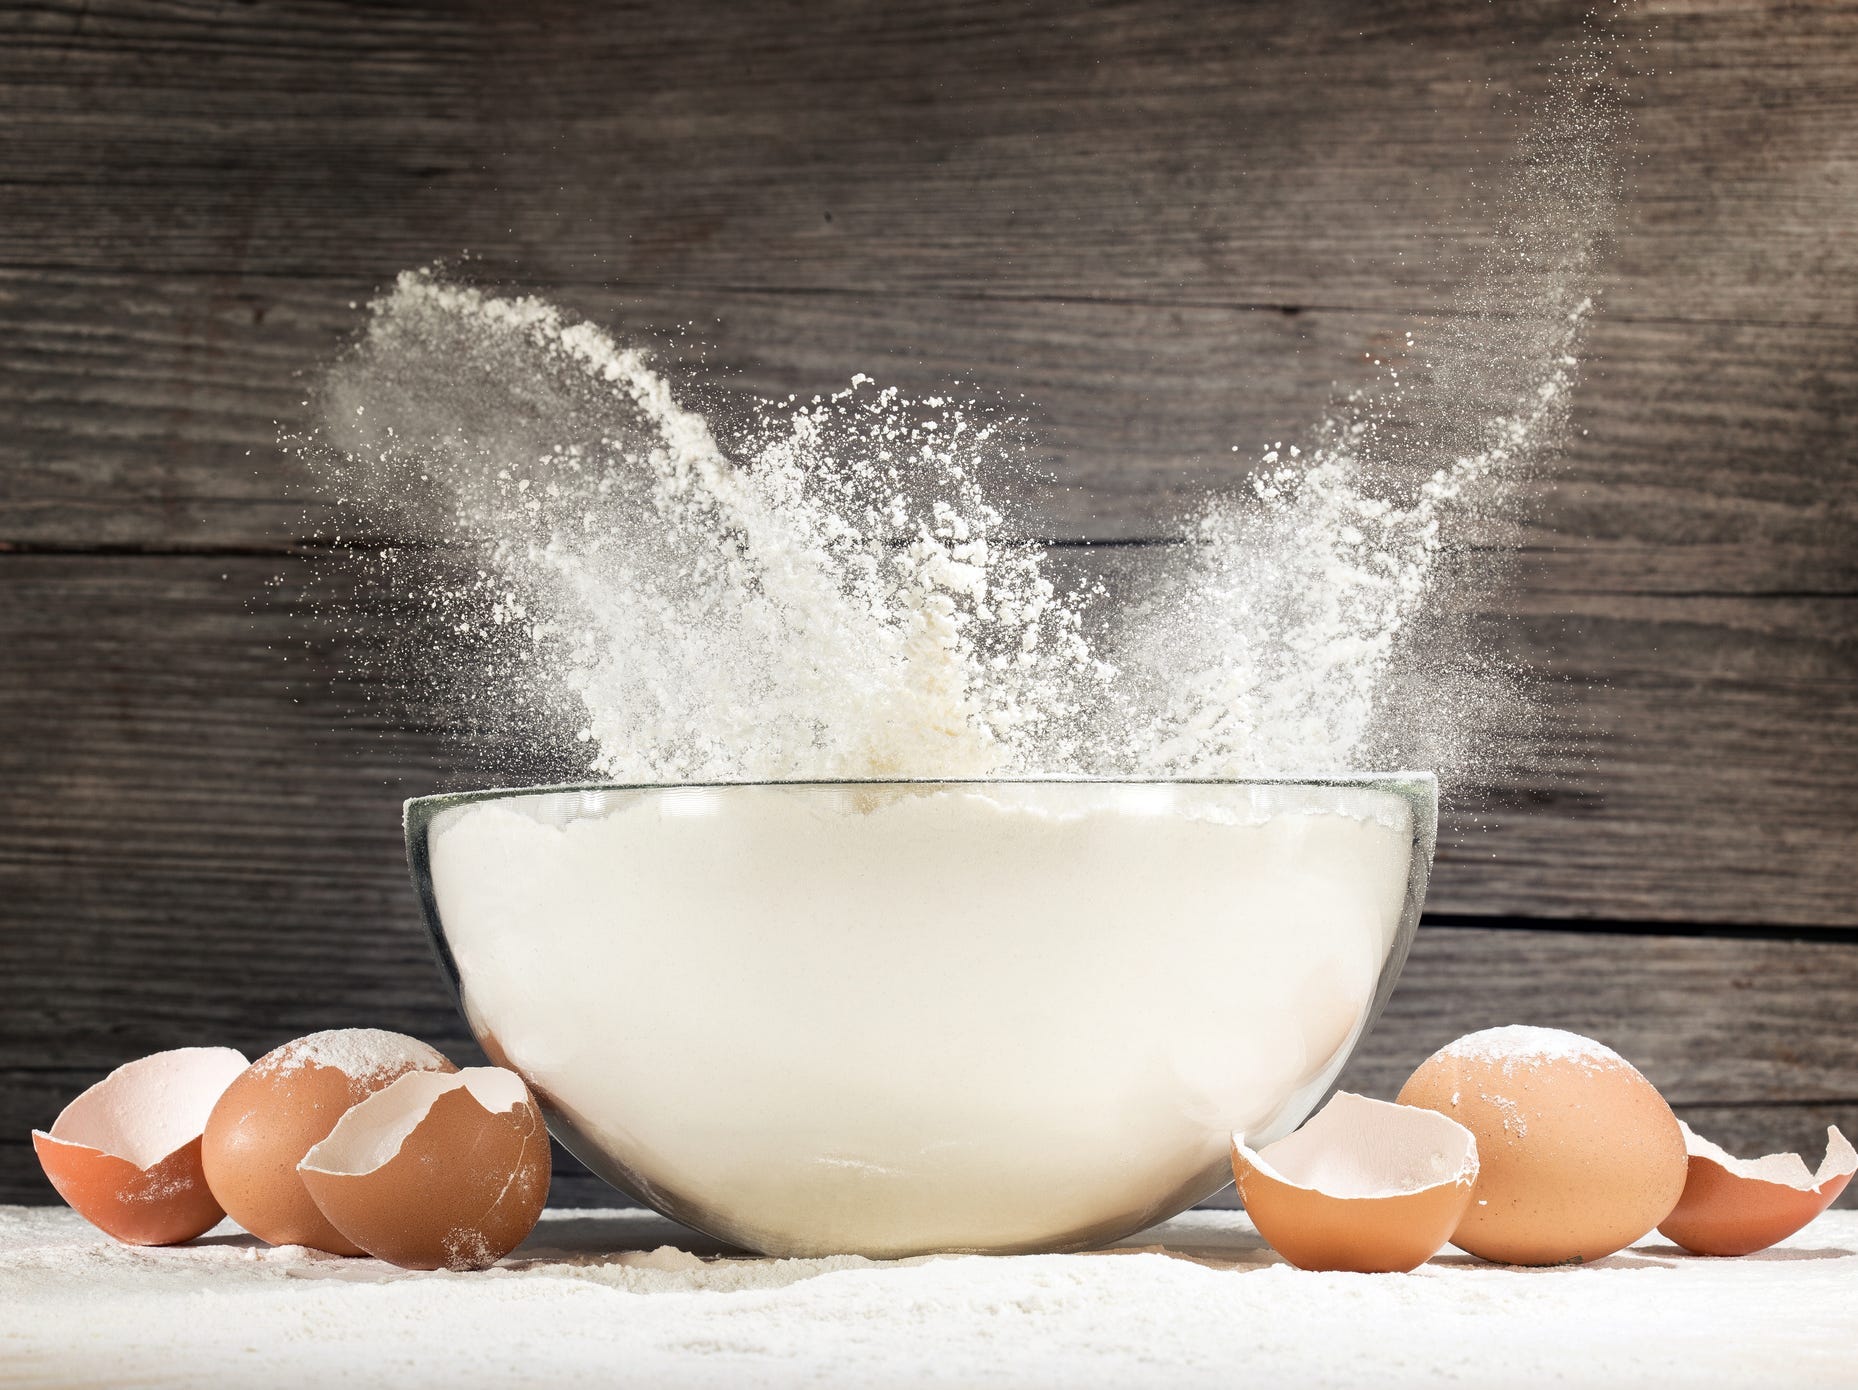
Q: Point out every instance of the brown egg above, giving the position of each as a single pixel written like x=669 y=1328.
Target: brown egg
x=286 y=1102
x=1580 y=1156
x=436 y=1172
x=1363 y=1186
x=1736 y=1206
x=126 y=1153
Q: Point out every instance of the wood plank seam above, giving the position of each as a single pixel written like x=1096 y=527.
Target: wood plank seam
x=545 y=284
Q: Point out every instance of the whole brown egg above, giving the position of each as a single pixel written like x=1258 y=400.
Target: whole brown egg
x=1579 y=1155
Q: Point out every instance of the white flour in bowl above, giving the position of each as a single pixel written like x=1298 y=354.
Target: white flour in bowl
x=889 y=1021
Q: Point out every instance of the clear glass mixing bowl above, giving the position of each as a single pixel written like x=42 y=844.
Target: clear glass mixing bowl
x=897 y=1017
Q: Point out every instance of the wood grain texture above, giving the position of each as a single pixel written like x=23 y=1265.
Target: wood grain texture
x=1687 y=757
x=1249 y=154
x=1704 y=458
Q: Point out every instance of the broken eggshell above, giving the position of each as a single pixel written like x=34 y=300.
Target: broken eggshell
x=435 y=1171
x=126 y=1153
x=1365 y=1186
x=1736 y=1206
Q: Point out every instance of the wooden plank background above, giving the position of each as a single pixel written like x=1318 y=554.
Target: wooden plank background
x=1175 y=227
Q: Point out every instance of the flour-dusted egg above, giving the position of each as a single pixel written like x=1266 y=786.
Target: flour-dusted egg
x=283 y=1104
x=1580 y=1156
x=1736 y=1206
x=126 y=1153
x=435 y=1171
x=1363 y=1186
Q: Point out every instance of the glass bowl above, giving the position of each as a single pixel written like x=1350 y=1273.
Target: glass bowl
x=888 y=1018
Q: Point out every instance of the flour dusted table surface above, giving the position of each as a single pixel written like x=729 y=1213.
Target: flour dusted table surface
x=625 y=1298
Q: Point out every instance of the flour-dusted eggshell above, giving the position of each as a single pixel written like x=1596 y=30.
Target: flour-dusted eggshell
x=1736 y=1206
x=1579 y=1155
x=126 y=1153
x=436 y=1172
x=1363 y=1186
x=283 y=1105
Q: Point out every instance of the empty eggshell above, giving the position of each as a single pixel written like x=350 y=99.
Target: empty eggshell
x=126 y=1153
x=1736 y=1206
x=1363 y=1186
x=284 y=1104
x=436 y=1172
x=1579 y=1155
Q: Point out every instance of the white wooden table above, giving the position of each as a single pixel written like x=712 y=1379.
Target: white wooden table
x=593 y=1299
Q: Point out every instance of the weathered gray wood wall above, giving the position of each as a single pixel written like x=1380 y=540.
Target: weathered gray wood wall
x=1173 y=226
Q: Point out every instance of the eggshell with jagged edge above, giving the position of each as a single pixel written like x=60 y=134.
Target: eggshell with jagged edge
x=126 y=1153
x=1736 y=1206
x=436 y=1172
x=1364 y=1186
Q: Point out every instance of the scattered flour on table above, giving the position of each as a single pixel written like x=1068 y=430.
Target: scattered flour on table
x=1199 y=1302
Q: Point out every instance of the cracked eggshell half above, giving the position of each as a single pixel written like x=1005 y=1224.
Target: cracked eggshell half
x=1736 y=1206
x=126 y=1153
x=1364 y=1186
x=286 y=1102
x=436 y=1171
x=1580 y=1154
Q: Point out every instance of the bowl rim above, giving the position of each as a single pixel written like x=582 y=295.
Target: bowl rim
x=1421 y=783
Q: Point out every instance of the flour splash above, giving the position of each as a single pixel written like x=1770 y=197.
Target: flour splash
x=838 y=605
x=841 y=589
